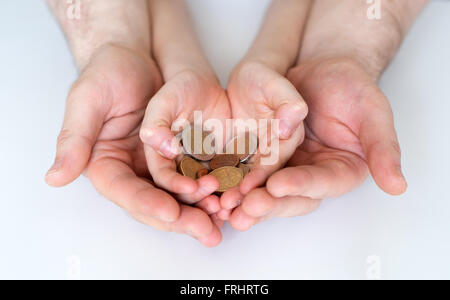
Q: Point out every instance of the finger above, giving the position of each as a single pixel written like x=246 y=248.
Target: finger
x=240 y=221
x=192 y=222
x=289 y=106
x=156 y=126
x=265 y=165
x=165 y=175
x=258 y=203
x=261 y=205
x=161 y=139
x=289 y=207
x=213 y=239
x=231 y=199
x=329 y=178
x=381 y=147
x=117 y=182
x=210 y=205
x=85 y=113
x=207 y=185
x=219 y=223
x=224 y=214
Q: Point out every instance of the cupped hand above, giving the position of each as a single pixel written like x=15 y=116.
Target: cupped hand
x=257 y=93
x=349 y=132
x=100 y=136
x=178 y=100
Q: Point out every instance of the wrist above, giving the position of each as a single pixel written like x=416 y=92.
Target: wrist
x=370 y=43
x=175 y=44
x=175 y=62
x=277 y=61
x=277 y=44
x=100 y=23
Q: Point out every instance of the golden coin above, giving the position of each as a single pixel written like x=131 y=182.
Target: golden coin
x=244 y=145
x=198 y=143
x=245 y=169
x=229 y=177
x=224 y=160
x=189 y=167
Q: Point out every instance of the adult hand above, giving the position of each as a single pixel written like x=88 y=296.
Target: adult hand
x=350 y=128
x=105 y=108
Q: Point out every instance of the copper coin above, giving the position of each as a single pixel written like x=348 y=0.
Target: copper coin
x=202 y=172
x=189 y=167
x=228 y=177
x=224 y=160
x=244 y=145
x=198 y=143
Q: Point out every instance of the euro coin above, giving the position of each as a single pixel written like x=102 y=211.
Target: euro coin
x=224 y=160
x=189 y=167
x=198 y=143
x=228 y=177
x=244 y=145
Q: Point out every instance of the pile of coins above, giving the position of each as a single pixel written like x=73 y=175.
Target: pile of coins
x=229 y=168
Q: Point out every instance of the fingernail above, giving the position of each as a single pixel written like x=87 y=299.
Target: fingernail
x=167 y=150
x=285 y=130
x=55 y=167
x=147 y=133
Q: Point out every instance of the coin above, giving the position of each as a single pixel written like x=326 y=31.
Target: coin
x=229 y=177
x=245 y=168
x=244 y=145
x=198 y=143
x=224 y=160
x=189 y=167
x=202 y=172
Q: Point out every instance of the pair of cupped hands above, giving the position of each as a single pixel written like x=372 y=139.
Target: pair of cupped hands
x=335 y=126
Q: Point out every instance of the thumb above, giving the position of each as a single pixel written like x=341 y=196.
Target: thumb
x=381 y=147
x=82 y=123
x=289 y=106
x=156 y=127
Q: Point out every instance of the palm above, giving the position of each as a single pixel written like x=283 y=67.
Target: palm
x=259 y=93
x=334 y=94
x=339 y=95
x=185 y=94
x=173 y=107
x=349 y=127
x=114 y=92
x=247 y=97
x=124 y=83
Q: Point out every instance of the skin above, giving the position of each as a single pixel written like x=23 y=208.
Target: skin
x=350 y=128
x=259 y=89
x=191 y=85
x=104 y=111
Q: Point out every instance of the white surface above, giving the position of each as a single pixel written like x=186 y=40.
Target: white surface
x=41 y=228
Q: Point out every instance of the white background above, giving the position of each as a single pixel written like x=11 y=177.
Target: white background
x=45 y=232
